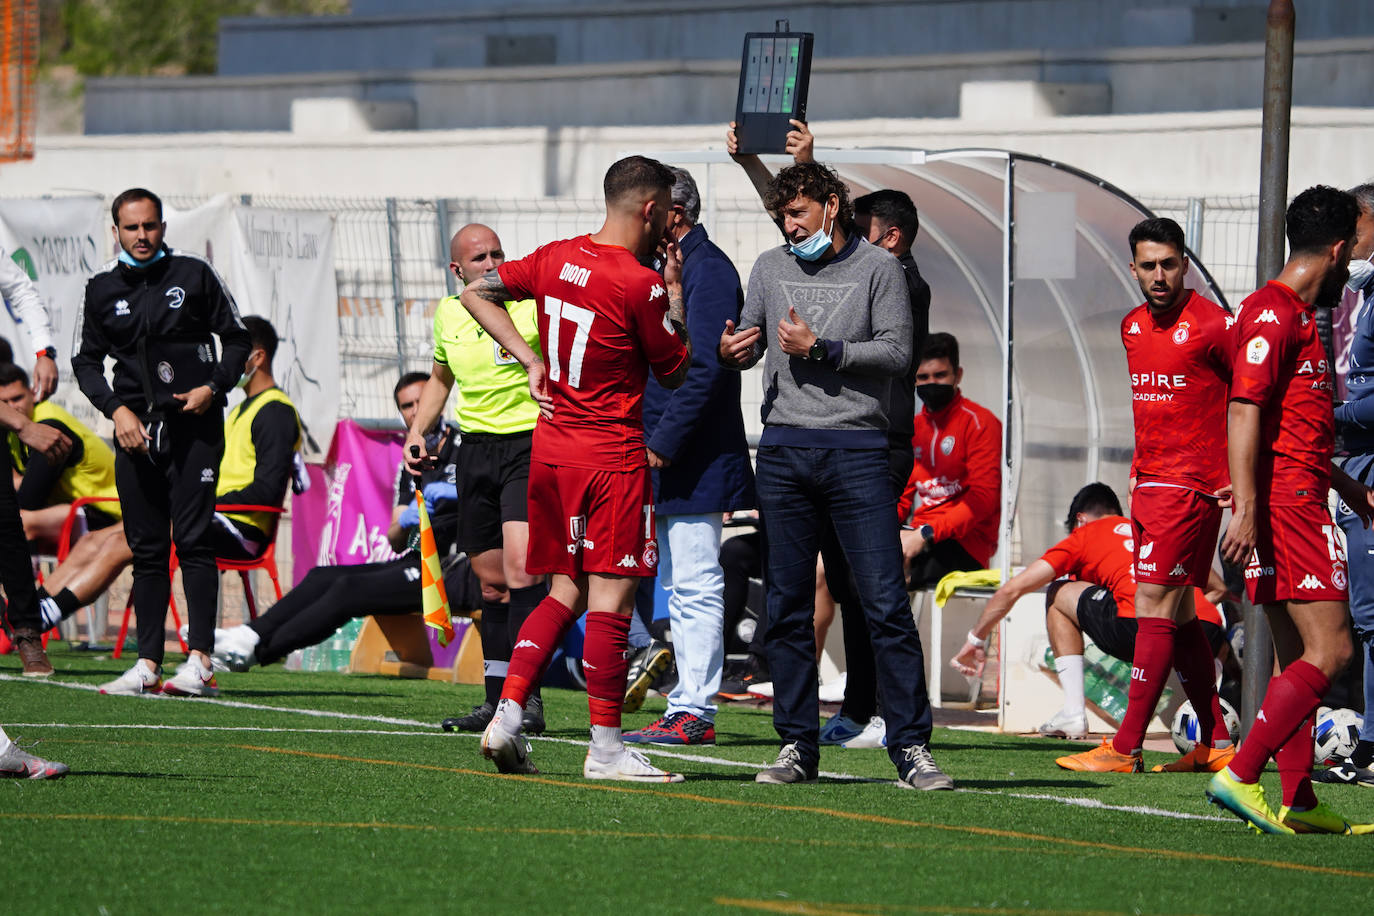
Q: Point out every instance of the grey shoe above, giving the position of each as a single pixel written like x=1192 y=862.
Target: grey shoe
x=20 y=763
x=918 y=770
x=789 y=768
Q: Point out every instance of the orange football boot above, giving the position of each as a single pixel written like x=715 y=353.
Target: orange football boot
x=1103 y=759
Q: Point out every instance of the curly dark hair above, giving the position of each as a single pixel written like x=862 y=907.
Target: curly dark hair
x=812 y=181
x=1097 y=498
x=1318 y=217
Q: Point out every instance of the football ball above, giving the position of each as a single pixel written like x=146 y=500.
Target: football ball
x=1185 y=731
x=1336 y=734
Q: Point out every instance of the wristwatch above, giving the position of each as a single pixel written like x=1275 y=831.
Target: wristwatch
x=818 y=351
x=927 y=533
x=49 y=351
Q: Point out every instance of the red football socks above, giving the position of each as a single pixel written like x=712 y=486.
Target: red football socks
x=1197 y=673
x=605 y=662
x=1295 y=766
x=538 y=639
x=1291 y=698
x=1154 y=654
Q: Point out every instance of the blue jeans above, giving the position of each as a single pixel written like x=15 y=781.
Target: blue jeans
x=689 y=564
x=801 y=490
x=1359 y=560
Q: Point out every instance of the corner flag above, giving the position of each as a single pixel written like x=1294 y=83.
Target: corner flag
x=434 y=601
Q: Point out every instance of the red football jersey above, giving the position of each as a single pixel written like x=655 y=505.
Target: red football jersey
x=603 y=325
x=1102 y=553
x=1180 y=365
x=1280 y=365
x=956 y=480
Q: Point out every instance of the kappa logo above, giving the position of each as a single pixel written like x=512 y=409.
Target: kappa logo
x=1304 y=319
x=946 y=445
x=1230 y=320
x=1261 y=716
x=528 y=644
x=177 y=295
x=1178 y=570
x=412 y=574
x=1267 y=317
x=1099 y=594
x=207 y=475
x=628 y=562
x=121 y=308
x=1181 y=333
x=1310 y=581
x=1135 y=328
x=655 y=291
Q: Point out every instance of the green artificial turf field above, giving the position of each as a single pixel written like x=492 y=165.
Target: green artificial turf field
x=325 y=793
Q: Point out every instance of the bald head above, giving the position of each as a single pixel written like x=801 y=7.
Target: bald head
x=475 y=251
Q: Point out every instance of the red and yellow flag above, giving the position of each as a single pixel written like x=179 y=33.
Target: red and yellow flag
x=434 y=600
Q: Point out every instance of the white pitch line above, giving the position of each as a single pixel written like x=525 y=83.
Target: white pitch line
x=429 y=730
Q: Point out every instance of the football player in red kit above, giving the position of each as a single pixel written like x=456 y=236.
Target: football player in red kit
x=1178 y=350
x=605 y=321
x=1282 y=438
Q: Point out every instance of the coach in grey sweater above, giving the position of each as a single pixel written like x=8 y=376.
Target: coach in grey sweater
x=829 y=315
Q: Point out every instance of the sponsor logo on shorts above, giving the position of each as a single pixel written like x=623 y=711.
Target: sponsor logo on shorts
x=1146 y=549
x=628 y=562
x=1338 y=576
x=529 y=644
x=1145 y=567
x=1310 y=581
x=577 y=531
x=1178 y=570
x=1258 y=572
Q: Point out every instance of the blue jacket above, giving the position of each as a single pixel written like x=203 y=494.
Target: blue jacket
x=699 y=427
x=1355 y=417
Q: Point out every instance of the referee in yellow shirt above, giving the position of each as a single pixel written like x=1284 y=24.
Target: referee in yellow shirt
x=496 y=415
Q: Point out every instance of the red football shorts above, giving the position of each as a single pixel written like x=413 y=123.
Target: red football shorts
x=1175 y=534
x=591 y=521
x=1297 y=557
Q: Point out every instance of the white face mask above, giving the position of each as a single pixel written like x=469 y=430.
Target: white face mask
x=243 y=379
x=1360 y=272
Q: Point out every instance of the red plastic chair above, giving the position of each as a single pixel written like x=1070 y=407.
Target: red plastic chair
x=64 y=540
x=267 y=560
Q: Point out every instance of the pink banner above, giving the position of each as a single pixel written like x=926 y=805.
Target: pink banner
x=343 y=518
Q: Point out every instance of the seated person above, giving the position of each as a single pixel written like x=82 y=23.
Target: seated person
x=261 y=437
x=1099 y=601
x=330 y=596
x=952 y=505
x=45 y=490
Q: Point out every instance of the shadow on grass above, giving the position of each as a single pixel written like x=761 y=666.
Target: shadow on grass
x=144 y=774
x=1017 y=783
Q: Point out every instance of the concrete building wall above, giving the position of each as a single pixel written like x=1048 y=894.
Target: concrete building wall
x=1335 y=72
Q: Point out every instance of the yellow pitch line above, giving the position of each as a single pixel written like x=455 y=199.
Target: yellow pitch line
x=844 y=815
x=816 y=908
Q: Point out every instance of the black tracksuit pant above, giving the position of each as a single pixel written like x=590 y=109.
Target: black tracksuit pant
x=171 y=499
x=16 y=566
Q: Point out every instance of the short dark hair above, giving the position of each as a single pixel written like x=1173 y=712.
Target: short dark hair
x=408 y=379
x=6 y=351
x=812 y=181
x=262 y=335
x=636 y=173
x=891 y=207
x=11 y=373
x=1097 y=498
x=131 y=195
x=1158 y=229
x=1318 y=217
x=940 y=345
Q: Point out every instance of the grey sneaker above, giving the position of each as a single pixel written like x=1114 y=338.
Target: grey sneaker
x=918 y=770
x=788 y=768
x=20 y=763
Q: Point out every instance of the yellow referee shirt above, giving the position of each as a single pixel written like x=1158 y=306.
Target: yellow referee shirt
x=493 y=390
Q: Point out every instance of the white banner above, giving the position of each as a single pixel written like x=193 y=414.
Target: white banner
x=60 y=242
x=278 y=264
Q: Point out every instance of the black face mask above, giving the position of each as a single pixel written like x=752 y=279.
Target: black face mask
x=935 y=396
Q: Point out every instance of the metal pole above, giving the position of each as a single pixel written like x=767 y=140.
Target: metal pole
x=445 y=236
x=1258 y=663
x=1194 y=220
x=398 y=299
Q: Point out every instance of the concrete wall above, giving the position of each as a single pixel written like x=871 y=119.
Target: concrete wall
x=1201 y=154
x=415 y=34
x=1335 y=72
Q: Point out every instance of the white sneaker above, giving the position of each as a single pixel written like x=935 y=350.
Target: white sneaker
x=764 y=690
x=873 y=735
x=629 y=766
x=1065 y=725
x=236 y=648
x=136 y=681
x=833 y=692
x=192 y=680
x=510 y=752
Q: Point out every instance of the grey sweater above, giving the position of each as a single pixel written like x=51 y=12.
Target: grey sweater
x=858 y=303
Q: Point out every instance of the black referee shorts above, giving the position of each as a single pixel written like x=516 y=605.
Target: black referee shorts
x=1116 y=635
x=493 y=487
